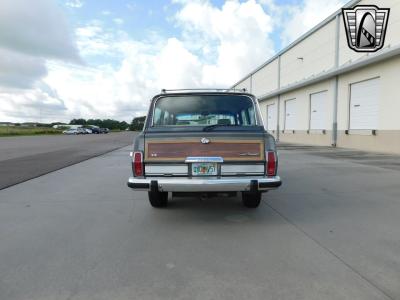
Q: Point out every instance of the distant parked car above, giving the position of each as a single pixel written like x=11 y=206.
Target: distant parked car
x=95 y=130
x=88 y=131
x=82 y=131
x=104 y=130
x=70 y=132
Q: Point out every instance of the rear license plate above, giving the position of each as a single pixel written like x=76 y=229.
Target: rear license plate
x=204 y=169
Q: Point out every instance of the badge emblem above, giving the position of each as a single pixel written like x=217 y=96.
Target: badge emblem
x=365 y=27
x=205 y=141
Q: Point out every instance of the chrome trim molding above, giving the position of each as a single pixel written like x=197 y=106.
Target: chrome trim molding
x=212 y=184
x=197 y=159
x=226 y=169
x=249 y=154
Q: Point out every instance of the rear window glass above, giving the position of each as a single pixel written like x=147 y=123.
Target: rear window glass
x=204 y=110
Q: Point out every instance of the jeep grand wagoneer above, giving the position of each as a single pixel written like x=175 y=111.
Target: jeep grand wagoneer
x=204 y=142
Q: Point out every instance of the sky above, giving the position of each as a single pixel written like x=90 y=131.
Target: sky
x=65 y=59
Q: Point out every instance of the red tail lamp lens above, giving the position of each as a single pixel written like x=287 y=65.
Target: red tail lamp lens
x=271 y=163
x=138 y=164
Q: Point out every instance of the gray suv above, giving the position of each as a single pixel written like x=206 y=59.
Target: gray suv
x=204 y=142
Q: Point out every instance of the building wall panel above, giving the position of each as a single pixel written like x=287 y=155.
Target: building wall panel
x=263 y=108
x=319 y=110
x=303 y=134
x=387 y=138
x=318 y=55
x=272 y=117
x=364 y=104
x=266 y=79
x=303 y=97
x=311 y=56
x=292 y=110
x=389 y=106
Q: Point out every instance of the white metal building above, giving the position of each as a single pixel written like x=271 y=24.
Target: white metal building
x=318 y=91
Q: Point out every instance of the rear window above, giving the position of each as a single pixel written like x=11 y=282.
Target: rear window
x=204 y=110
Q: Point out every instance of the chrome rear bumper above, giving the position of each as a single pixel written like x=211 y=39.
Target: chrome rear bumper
x=225 y=184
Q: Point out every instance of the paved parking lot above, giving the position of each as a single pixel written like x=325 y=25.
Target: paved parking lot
x=26 y=157
x=331 y=232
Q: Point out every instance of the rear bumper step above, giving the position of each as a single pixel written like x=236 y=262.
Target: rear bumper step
x=231 y=184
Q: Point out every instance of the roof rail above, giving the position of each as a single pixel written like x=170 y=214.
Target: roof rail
x=229 y=90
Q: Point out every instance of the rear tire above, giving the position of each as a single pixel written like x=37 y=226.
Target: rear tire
x=251 y=199
x=158 y=199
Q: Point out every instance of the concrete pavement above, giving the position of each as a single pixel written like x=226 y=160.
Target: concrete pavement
x=26 y=157
x=331 y=232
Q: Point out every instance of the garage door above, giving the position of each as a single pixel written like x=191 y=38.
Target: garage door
x=290 y=114
x=364 y=104
x=318 y=110
x=271 y=117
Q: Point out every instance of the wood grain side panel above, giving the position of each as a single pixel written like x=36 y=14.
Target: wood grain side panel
x=228 y=149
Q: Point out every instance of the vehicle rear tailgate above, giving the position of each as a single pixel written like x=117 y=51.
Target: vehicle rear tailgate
x=232 y=148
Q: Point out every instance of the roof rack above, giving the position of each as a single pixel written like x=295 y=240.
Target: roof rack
x=233 y=90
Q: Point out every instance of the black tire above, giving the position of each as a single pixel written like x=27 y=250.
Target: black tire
x=158 y=199
x=251 y=199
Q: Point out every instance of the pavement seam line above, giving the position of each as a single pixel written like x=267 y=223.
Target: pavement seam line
x=385 y=294
x=66 y=166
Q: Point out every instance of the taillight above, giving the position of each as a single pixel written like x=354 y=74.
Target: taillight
x=271 y=164
x=138 y=164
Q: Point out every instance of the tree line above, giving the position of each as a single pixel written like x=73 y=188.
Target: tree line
x=106 y=123
x=136 y=124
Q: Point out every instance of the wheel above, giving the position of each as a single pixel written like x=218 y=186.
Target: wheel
x=251 y=199
x=158 y=199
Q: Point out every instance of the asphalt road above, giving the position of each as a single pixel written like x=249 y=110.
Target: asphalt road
x=23 y=158
x=331 y=232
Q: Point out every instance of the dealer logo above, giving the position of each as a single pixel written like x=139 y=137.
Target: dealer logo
x=365 y=27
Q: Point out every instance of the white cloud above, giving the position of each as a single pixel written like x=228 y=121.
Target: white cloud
x=175 y=59
x=38 y=30
x=216 y=47
x=30 y=35
x=296 y=20
x=20 y=70
x=236 y=36
x=38 y=104
x=74 y=3
x=123 y=92
x=131 y=6
x=92 y=39
x=118 y=21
